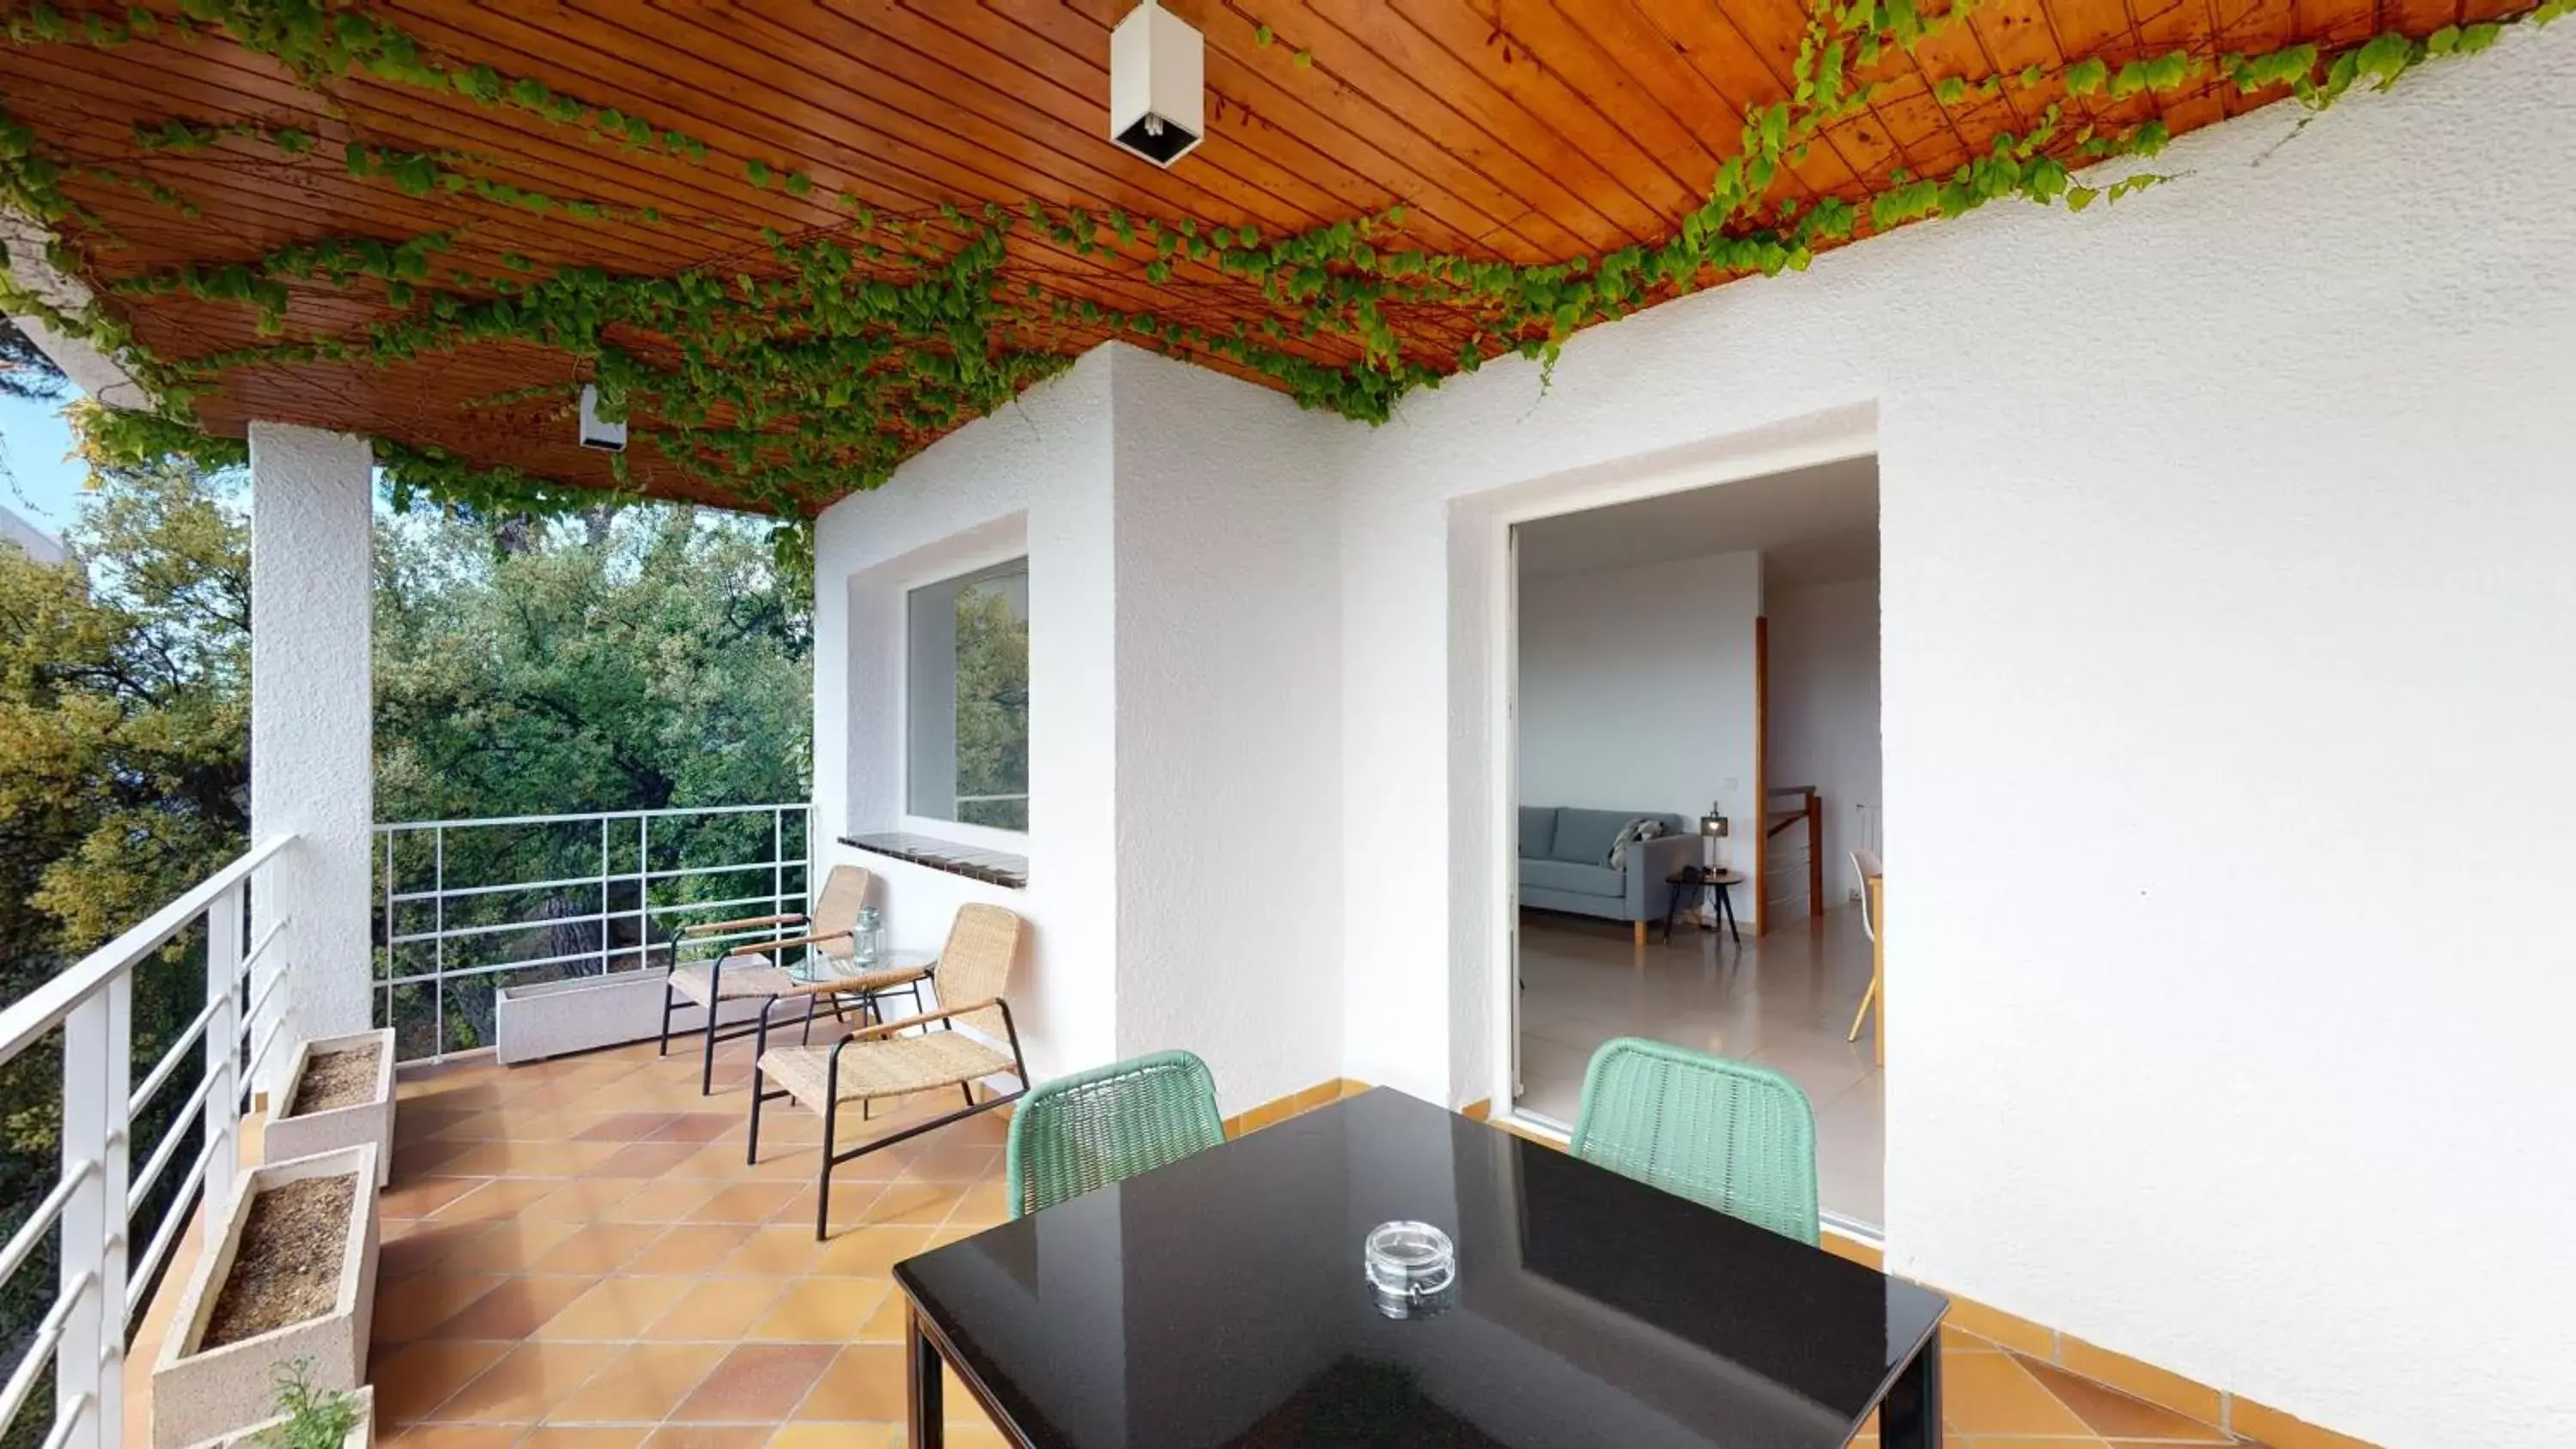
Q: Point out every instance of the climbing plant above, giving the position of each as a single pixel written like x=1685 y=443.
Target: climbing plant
x=794 y=369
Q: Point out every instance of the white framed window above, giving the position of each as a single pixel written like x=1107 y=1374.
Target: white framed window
x=966 y=699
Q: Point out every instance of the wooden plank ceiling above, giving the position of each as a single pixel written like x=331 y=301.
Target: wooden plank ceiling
x=1528 y=131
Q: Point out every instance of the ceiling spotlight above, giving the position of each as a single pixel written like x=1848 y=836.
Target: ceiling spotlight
x=607 y=437
x=1157 y=80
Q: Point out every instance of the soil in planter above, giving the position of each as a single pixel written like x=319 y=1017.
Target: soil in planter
x=342 y=1078
x=287 y=1269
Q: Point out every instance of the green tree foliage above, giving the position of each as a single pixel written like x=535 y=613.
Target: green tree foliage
x=620 y=658
x=628 y=659
x=993 y=706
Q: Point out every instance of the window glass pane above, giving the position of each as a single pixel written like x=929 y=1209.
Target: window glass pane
x=967 y=683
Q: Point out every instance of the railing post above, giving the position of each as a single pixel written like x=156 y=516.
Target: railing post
x=223 y=1048
x=89 y=1364
x=604 y=961
x=778 y=861
x=438 y=947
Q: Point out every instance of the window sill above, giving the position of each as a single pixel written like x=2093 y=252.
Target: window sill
x=993 y=867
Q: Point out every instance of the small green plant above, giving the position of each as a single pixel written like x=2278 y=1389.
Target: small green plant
x=316 y=1418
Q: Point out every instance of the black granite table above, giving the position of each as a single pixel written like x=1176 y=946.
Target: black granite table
x=1221 y=1301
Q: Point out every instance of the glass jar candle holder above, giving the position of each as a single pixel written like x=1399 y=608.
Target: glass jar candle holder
x=1412 y=1269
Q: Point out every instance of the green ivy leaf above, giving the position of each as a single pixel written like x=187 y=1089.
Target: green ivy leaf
x=2086 y=76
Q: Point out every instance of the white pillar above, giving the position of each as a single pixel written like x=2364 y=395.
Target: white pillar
x=312 y=721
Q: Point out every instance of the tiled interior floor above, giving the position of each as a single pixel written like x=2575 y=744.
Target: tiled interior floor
x=576 y=1257
x=1784 y=1000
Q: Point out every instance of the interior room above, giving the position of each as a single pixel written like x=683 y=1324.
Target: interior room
x=1697 y=688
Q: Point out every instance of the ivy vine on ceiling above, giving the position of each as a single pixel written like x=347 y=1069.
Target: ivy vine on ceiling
x=797 y=368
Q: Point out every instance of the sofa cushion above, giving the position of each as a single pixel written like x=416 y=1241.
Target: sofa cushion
x=1538 y=831
x=1573 y=879
x=1585 y=836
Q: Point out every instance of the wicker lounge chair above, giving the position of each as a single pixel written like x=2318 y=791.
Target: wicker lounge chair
x=753 y=970
x=969 y=1036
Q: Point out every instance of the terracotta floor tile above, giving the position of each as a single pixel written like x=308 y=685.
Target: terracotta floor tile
x=499 y=1198
x=776 y=1251
x=909 y=1204
x=597 y=1248
x=413 y=1197
x=453 y=1436
x=525 y=1384
x=1990 y=1393
x=2030 y=1441
x=583 y=1199
x=671 y=1200
x=864 y=1382
x=642 y=1384
x=409 y=1307
x=985 y=1204
x=694 y=1248
x=709 y=1436
x=823 y=1310
x=887 y=1324
x=548 y=1436
x=517 y=1308
x=647 y=1159
x=700 y=1127
x=867 y=1252
x=760 y=1382
x=750 y=1202
x=415 y=1159
x=625 y=1127
x=511 y=1246
x=617 y=1308
x=2108 y=1412
x=718 y=1310
x=838 y=1436
x=416 y=1378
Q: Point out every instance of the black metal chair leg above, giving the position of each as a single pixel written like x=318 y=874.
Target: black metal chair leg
x=707 y=1057
x=668 y=997
x=969 y=1089
x=823 y=1186
x=751 y=1151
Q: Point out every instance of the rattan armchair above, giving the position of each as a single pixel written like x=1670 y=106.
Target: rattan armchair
x=968 y=1037
x=754 y=970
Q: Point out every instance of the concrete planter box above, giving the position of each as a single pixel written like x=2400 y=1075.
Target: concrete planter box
x=552 y=1018
x=200 y=1393
x=369 y=1122
x=360 y=1437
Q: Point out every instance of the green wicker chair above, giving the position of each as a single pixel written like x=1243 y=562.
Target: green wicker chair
x=1731 y=1136
x=1094 y=1128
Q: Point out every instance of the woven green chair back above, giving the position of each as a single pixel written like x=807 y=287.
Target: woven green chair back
x=1735 y=1137
x=1097 y=1127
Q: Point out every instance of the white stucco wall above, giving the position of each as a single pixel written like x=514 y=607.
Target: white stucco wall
x=2217 y=525
x=1037 y=475
x=1824 y=717
x=1185 y=669
x=1229 y=740
x=312 y=720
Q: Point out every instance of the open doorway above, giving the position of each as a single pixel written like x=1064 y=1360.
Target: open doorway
x=1695 y=684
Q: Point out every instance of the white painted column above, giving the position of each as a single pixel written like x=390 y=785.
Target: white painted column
x=312 y=720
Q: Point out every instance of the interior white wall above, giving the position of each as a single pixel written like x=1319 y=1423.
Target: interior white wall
x=2214 y=524
x=1636 y=686
x=1229 y=728
x=1034 y=477
x=1824 y=712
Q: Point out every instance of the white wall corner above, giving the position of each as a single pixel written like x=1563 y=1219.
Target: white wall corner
x=312 y=747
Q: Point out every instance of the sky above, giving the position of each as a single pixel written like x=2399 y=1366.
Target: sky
x=41 y=486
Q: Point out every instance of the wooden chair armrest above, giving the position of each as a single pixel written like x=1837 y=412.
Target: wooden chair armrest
x=746 y=923
x=870 y=1033
x=752 y=948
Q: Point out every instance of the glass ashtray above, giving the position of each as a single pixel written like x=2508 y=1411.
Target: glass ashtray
x=1412 y=1268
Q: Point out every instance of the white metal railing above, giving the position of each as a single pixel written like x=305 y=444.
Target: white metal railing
x=466 y=906
x=97 y=1205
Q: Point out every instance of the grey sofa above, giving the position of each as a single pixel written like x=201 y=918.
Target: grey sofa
x=1565 y=862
